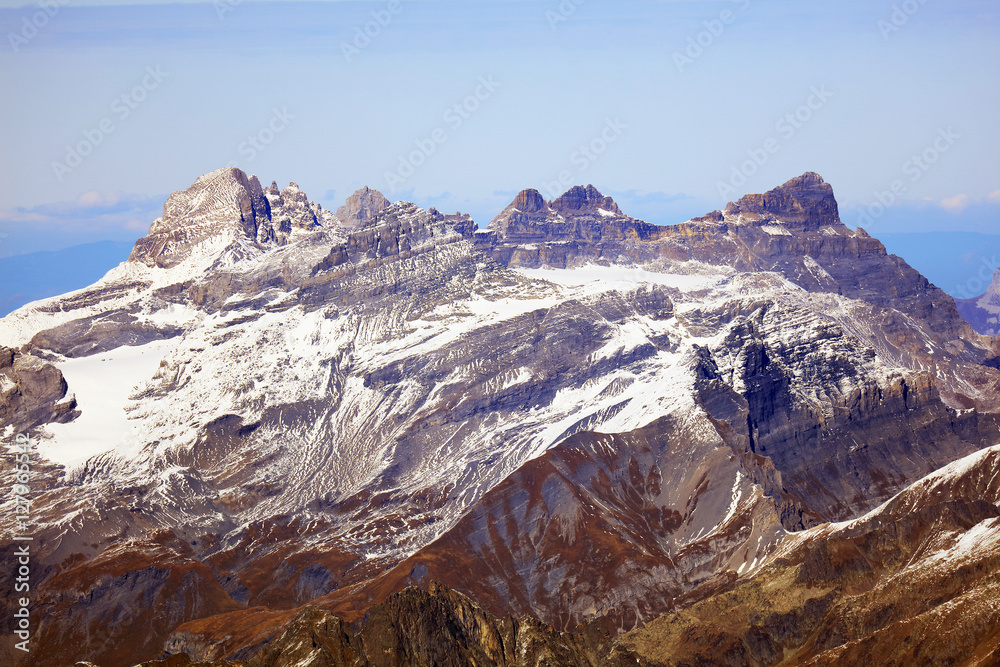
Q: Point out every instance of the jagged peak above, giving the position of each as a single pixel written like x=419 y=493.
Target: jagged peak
x=293 y=193
x=223 y=207
x=214 y=189
x=581 y=214
x=362 y=206
x=805 y=200
x=579 y=199
x=529 y=201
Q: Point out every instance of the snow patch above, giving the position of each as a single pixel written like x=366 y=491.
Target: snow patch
x=102 y=384
x=817 y=271
x=597 y=279
x=737 y=493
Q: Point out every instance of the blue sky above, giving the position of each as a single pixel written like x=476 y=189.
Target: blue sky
x=672 y=107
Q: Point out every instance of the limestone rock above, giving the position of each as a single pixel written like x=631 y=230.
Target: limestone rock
x=361 y=207
x=32 y=392
x=806 y=201
x=915 y=582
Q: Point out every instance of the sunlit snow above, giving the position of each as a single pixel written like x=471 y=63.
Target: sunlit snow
x=102 y=384
x=605 y=278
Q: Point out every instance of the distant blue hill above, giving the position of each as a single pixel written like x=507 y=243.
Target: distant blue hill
x=36 y=275
x=960 y=263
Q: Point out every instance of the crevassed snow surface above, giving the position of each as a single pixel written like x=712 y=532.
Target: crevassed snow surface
x=102 y=384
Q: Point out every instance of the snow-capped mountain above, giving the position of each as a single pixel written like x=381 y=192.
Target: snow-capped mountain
x=570 y=414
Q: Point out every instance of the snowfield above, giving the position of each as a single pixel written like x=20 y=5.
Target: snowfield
x=103 y=384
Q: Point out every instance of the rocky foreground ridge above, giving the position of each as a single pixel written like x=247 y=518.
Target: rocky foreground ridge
x=570 y=416
x=913 y=582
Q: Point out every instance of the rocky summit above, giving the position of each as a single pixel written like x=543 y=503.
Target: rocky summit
x=281 y=436
x=361 y=207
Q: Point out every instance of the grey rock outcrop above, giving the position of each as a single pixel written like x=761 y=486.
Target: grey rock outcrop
x=227 y=209
x=32 y=392
x=581 y=225
x=224 y=206
x=805 y=202
x=361 y=207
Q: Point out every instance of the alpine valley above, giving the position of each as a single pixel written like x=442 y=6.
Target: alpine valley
x=282 y=437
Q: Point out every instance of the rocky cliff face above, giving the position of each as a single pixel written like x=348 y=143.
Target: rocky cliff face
x=361 y=207
x=572 y=415
x=221 y=207
x=580 y=226
x=226 y=210
x=914 y=582
x=434 y=627
x=32 y=392
x=805 y=203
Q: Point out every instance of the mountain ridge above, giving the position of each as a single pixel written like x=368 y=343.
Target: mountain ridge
x=343 y=410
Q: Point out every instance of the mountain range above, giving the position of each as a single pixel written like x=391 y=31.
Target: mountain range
x=278 y=435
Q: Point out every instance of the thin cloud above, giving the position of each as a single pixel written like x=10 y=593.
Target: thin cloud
x=955 y=204
x=94 y=216
x=94 y=199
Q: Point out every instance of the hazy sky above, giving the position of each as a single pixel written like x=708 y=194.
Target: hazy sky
x=674 y=108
